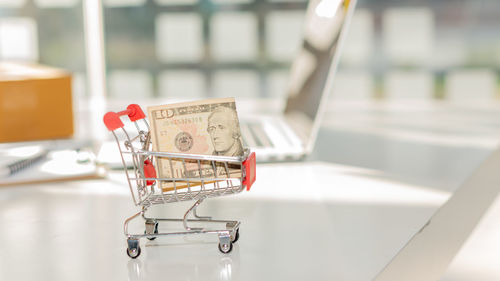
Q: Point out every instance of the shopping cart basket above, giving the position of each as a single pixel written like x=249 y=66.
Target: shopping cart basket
x=146 y=189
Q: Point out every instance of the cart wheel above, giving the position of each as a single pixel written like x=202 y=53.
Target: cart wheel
x=226 y=248
x=236 y=236
x=134 y=253
x=155 y=232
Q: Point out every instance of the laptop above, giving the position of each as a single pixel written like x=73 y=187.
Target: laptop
x=291 y=136
x=430 y=251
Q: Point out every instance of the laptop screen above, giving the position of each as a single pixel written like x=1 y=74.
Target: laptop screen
x=312 y=65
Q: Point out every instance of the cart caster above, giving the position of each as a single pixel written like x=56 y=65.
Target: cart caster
x=151 y=228
x=236 y=236
x=226 y=248
x=134 y=253
x=133 y=249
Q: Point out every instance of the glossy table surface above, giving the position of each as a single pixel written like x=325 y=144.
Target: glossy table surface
x=340 y=215
x=331 y=222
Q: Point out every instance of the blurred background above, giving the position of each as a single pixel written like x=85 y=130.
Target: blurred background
x=427 y=50
x=408 y=52
x=415 y=53
x=438 y=61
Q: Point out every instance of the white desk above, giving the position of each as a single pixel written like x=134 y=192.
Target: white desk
x=436 y=145
x=479 y=257
x=311 y=220
x=331 y=223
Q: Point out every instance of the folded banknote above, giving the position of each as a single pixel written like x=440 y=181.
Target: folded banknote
x=209 y=127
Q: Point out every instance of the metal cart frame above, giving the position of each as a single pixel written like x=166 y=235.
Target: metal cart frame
x=145 y=185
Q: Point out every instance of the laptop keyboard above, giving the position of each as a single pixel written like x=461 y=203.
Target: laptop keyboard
x=254 y=135
x=261 y=136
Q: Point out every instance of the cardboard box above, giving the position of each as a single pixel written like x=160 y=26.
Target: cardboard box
x=35 y=103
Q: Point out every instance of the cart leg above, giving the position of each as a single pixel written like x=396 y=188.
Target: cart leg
x=125 y=225
x=151 y=228
x=225 y=244
x=206 y=218
x=234 y=228
x=184 y=221
x=235 y=235
x=133 y=248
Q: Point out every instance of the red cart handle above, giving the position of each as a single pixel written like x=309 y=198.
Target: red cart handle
x=112 y=119
x=250 y=169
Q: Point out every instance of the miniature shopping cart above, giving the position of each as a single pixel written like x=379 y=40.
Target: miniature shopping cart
x=146 y=187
